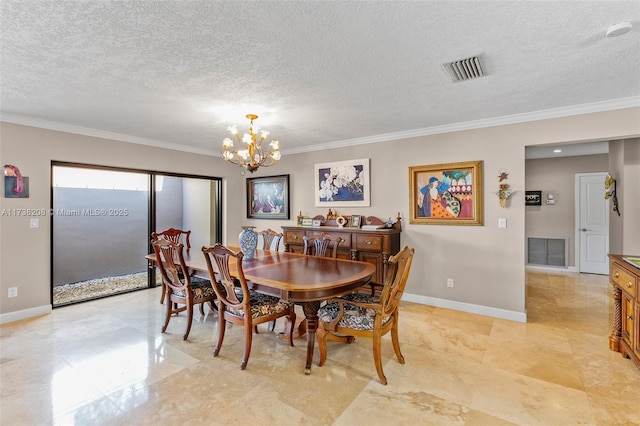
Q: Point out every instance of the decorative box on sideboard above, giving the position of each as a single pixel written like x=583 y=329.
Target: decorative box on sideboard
x=369 y=245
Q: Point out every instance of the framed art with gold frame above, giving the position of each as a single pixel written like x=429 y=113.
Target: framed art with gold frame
x=446 y=194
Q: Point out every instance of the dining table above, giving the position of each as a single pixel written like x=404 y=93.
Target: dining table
x=303 y=279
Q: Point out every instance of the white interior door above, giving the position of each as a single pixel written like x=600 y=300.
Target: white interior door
x=593 y=223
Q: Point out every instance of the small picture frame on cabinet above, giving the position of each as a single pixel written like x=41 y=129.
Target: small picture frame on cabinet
x=307 y=221
x=356 y=221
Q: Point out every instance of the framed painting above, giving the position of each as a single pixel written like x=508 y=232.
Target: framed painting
x=446 y=194
x=342 y=184
x=268 y=197
x=533 y=198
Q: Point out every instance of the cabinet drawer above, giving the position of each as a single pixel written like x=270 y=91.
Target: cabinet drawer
x=623 y=279
x=294 y=237
x=346 y=236
x=369 y=242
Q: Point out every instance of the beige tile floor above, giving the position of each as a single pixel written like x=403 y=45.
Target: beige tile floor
x=105 y=362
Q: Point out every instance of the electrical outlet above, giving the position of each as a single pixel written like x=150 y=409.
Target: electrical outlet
x=450 y=282
x=13 y=292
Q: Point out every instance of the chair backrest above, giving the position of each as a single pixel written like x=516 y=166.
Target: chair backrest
x=322 y=243
x=270 y=238
x=395 y=281
x=223 y=283
x=170 y=262
x=173 y=234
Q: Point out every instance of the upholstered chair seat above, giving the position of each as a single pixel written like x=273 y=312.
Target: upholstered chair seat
x=201 y=288
x=354 y=317
x=261 y=305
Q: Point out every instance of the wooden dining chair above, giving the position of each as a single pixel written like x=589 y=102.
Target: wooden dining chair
x=177 y=236
x=183 y=291
x=361 y=314
x=322 y=245
x=270 y=239
x=239 y=305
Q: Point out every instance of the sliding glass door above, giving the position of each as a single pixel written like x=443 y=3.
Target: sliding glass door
x=102 y=219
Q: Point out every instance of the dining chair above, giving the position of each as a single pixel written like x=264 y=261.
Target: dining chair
x=361 y=314
x=270 y=239
x=323 y=245
x=239 y=305
x=177 y=236
x=183 y=291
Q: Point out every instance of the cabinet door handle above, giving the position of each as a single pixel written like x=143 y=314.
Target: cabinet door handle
x=616 y=275
x=629 y=285
x=630 y=317
x=368 y=242
x=295 y=237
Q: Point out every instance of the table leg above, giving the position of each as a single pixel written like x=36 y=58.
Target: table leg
x=310 y=310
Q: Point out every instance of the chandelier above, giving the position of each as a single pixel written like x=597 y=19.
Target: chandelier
x=248 y=152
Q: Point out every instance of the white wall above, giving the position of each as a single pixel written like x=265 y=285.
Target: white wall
x=486 y=263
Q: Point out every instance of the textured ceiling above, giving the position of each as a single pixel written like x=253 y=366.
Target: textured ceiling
x=319 y=74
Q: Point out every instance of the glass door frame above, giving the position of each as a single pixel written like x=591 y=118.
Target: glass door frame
x=151 y=196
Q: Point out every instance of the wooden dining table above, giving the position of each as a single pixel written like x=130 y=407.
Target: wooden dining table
x=306 y=280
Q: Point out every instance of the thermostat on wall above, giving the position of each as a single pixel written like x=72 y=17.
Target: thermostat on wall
x=550 y=199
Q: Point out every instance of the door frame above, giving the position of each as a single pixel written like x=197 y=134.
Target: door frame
x=151 y=220
x=578 y=235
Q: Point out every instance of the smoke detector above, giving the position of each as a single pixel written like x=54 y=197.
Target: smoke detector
x=618 y=29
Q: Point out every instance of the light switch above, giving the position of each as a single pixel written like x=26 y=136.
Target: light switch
x=502 y=222
x=34 y=223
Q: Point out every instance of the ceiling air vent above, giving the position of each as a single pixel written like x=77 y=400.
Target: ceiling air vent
x=465 y=69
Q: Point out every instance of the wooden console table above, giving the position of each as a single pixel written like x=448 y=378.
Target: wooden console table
x=373 y=246
x=625 y=334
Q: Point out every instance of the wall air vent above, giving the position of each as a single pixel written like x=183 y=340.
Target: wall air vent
x=465 y=69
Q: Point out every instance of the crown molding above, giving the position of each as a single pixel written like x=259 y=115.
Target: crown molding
x=631 y=102
x=87 y=131
x=623 y=103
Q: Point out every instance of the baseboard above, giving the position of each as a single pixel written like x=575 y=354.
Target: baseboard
x=552 y=269
x=467 y=307
x=24 y=314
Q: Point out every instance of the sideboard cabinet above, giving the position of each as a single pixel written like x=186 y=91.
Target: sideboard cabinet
x=625 y=334
x=373 y=246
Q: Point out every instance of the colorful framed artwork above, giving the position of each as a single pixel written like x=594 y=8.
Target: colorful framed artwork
x=342 y=183
x=533 y=198
x=268 y=197
x=446 y=194
x=13 y=189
